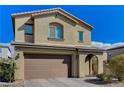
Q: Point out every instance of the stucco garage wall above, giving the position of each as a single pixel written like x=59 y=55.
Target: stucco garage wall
x=20 y=66
x=20 y=62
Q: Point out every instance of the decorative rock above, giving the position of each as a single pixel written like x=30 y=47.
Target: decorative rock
x=13 y=84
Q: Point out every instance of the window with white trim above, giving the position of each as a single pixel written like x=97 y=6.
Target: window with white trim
x=56 y=31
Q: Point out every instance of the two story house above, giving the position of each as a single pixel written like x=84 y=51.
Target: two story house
x=53 y=43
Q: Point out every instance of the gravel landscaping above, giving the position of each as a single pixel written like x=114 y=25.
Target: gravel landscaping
x=13 y=84
x=115 y=85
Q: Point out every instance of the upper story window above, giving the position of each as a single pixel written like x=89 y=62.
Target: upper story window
x=80 y=36
x=56 y=31
x=28 y=29
x=29 y=35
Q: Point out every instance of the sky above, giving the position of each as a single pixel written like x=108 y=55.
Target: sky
x=108 y=21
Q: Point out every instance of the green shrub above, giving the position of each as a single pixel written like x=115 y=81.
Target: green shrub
x=7 y=70
x=104 y=77
x=116 y=66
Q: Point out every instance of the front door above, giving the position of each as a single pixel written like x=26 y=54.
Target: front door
x=94 y=65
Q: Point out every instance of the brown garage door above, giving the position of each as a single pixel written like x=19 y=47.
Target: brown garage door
x=47 y=66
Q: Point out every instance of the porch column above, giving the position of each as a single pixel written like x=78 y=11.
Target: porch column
x=82 y=65
x=101 y=59
x=74 y=66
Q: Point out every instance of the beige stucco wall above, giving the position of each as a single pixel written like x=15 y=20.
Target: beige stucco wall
x=41 y=30
x=86 y=35
x=70 y=31
x=84 y=66
x=80 y=68
x=20 y=62
x=101 y=59
x=19 y=75
x=19 y=28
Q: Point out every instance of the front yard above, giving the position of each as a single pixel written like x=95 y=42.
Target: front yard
x=113 y=76
x=71 y=82
x=100 y=83
x=63 y=82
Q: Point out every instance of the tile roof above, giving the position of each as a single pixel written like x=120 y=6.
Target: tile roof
x=38 y=12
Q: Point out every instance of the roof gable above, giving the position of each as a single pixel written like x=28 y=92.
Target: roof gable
x=55 y=10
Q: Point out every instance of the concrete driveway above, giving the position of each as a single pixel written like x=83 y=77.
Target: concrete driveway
x=61 y=82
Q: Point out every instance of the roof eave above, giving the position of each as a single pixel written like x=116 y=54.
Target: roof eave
x=54 y=9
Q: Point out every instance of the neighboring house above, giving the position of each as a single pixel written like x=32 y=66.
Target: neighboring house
x=112 y=52
x=5 y=51
x=53 y=43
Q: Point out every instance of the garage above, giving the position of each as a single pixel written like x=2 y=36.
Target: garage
x=47 y=66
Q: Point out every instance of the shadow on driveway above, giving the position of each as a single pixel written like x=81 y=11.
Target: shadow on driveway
x=95 y=81
x=98 y=81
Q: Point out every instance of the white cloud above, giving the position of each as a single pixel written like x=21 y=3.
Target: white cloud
x=106 y=45
x=101 y=45
x=117 y=45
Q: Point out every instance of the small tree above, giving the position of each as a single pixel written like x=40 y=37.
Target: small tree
x=116 y=66
x=7 y=69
